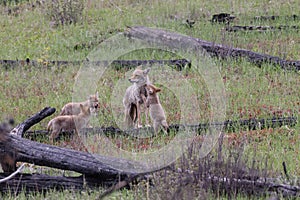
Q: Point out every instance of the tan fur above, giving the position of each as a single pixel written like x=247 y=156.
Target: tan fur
x=8 y=163
x=157 y=112
x=69 y=122
x=73 y=108
x=7 y=159
x=135 y=97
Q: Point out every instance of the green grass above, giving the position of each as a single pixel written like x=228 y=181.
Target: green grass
x=250 y=91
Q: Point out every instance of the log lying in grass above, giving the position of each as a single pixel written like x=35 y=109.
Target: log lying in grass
x=42 y=183
x=259 y=28
x=178 y=63
x=67 y=159
x=222 y=18
x=258 y=187
x=14 y=148
x=276 y=17
x=253 y=187
x=230 y=125
x=169 y=39
x=62 y=158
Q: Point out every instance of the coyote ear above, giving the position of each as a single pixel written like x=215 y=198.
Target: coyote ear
x=81 y=106
x=97 y=94
x=156 y=89
x=146 y=71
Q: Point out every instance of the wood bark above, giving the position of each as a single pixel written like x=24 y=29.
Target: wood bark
x=252 y=187
x=276 y=17
x=20 y=129
x=61 y=158
x=259 y=28
x=98 y=169
x=171 y=40
x=179 y=63
x=232 y=125
x=67 y=159
x=42 y=183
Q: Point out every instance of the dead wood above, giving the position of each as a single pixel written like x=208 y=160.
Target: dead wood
x=106 y=169
x=42 y=183
x=222 y=18
x=228 y=125
x=178 y=63
x=252 y=187
x=67 y=159
x=259 y=28
x=276 y=17
x=24 y=126
x=233 y=177
x=171 y=40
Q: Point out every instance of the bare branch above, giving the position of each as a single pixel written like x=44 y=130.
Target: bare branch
x=13 y=174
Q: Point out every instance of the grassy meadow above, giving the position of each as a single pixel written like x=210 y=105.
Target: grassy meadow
x=262 y=92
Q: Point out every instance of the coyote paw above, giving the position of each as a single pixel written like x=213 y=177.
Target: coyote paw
x=139 y=126
x=148 y=125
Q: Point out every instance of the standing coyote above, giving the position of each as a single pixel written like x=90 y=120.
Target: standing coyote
x=135 y=96
x=74 y=108
x=69 y=122
x=157 y=113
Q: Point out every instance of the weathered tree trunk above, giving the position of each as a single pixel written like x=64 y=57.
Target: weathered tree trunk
x=259 y=28
x=58 y=157
x=20 y=129
x=252 y=187
x=232 y=125
x=42 y=183
x=67 y=159
x=276 y=17
x=179 y=63
x=104 y=170
x=171 y=39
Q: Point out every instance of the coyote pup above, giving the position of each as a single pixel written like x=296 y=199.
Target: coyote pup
x=74 y=108
x=7 y=159
x=69 y=122
x=135 y=97
x=157 y=112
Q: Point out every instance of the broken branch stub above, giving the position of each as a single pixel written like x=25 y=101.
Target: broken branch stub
x=21 y=128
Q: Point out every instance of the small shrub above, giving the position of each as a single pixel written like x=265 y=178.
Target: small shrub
x=64 y=12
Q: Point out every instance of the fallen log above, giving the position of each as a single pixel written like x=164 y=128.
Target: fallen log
x=235 y=177
x=276 y=17
x=178 y=63
x=222 y=18
x=259 y=28
x=66 y=159
x=171 y=39
x=14 y=148
x=252 y=187
x=42 y=183
x=228 y=125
